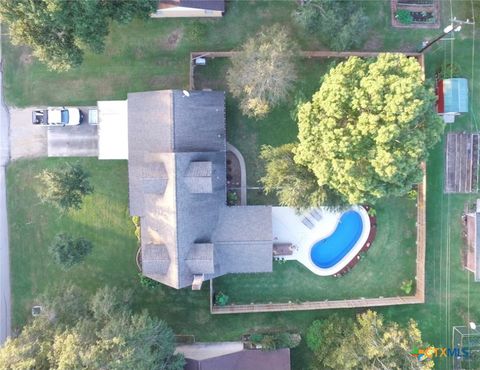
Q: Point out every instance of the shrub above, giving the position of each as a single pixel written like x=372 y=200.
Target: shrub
x=221 y=299
x=67 y=251
x=288 y=340
x=147 y=282
x=449 y=70
x=271 y=341
x=232 y=198
x=404 y=16
x=372 y=212
x=412 y=194
x=407 y=286
x=268 y=343
x=136 y=222
x=256 y=338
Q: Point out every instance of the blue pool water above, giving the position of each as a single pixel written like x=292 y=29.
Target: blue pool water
x=327 y=252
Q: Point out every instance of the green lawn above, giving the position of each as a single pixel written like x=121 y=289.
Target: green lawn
x=105 y=221
x=154 y=54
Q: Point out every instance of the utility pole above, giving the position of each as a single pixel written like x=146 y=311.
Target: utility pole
x=455 y=20
x=450 y=28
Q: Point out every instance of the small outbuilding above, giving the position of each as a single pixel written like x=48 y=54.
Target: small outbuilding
x=189 y=8
x=472 y=255
x=452 y=98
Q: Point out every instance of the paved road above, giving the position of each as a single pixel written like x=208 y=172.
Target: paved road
x=5 y=309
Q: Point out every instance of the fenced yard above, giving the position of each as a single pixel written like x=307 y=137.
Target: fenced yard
x=291 y=284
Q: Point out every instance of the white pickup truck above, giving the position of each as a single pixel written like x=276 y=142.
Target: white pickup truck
x=57 y=116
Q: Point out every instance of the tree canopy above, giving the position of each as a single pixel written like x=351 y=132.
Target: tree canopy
x=366 y=343
x=344 y=19
x=65 y=186
x=263 y=74
x=294 y=184
x=101 y=334
x=68 y=251
x=60 y=31
x=369 y=127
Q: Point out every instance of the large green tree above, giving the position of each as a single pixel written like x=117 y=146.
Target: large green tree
x=340 y=24
x=65 y=186
x=369 y=127
x=366 y=343
x=105 y=336
x=294 y=184
x=60 y=31
x=263 y=74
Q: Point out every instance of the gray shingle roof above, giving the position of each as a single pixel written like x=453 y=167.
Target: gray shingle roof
x=477 y=247
x=177 y=185
x=198 y=177
x=218 y=5
x=244 y=360
x=200 y=258
x=155 y=259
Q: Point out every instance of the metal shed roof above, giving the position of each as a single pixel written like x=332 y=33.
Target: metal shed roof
x=455 y=95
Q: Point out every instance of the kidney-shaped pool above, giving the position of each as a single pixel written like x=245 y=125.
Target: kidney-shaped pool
x=329 y=251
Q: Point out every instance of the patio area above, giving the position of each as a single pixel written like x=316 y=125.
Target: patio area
x=304 y=230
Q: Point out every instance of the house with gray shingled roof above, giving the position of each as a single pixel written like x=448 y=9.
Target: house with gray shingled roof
x=177 y=186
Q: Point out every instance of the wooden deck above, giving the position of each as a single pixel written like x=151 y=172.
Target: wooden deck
x=461 y=163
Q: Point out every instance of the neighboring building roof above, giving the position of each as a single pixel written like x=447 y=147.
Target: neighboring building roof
x=452 y=95
x=477 y=247
x=218 y=5
x=243 y=360
x=472 y=261
x=177 y=185
x=112 y=129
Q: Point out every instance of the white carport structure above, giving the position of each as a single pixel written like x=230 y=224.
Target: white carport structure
x=113 y=129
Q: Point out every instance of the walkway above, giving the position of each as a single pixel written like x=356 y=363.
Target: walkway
x=5 y=309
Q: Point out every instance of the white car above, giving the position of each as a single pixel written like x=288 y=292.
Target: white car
x=57 y=116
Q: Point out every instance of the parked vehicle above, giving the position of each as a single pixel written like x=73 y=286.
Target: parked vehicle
x=57 y=116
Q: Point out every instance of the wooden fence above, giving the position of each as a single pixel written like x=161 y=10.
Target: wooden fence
x=305 y=54
x=419 y=296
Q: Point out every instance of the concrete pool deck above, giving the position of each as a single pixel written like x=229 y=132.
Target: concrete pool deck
x=304 y=230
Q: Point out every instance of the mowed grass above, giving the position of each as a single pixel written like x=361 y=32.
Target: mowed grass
x=140 y=56
x=154 y=54
x=103 y=220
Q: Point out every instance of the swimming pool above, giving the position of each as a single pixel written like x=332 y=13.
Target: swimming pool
x=329 y=251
